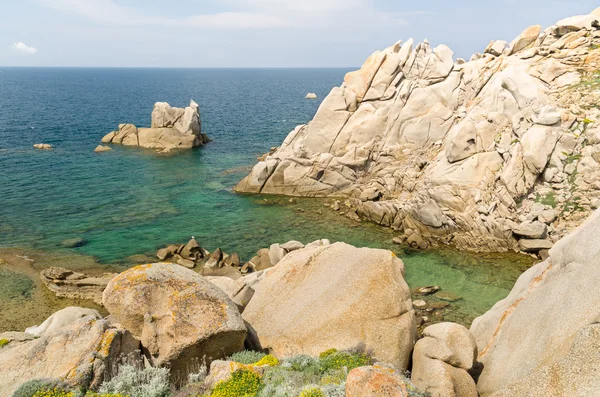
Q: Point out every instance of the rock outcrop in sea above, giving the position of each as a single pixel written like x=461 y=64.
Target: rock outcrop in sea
x=172 y=128
x=468 y=153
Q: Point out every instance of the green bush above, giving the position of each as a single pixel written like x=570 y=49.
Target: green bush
x=3 y=342
x=346 y=360
x=312 y=392
x=136 y=382
x=243 y=383
x=247 y=357
x=35 y=387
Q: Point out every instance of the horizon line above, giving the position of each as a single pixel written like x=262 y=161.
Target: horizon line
x=178 y=67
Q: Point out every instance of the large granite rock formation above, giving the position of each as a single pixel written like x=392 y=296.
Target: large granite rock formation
x=544 y=338
x=176 y=314
x=335 y=296
x=172 y=128
x=456 y=151
x=82 y=353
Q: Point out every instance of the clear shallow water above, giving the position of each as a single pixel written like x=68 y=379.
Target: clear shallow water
x=131 y=201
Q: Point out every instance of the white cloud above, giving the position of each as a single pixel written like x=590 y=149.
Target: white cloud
x=244 y=14
x=23 y=48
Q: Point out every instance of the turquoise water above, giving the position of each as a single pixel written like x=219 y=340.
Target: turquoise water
x=131 y=201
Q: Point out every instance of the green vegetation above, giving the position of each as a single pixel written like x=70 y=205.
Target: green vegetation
x=247 y=357
x=312 y=392
x=138 y=382
x=548 y=199
x=264 y=376
x=43 y=388
x=267 y=360
x=572 y=158
x=243 y=383
x=3 y=342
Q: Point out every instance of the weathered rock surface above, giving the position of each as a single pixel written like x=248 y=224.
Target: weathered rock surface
x=544 y=338
x=457 y=152
x=335 y=296
x=66 y=283
x=80 y=353
x=61 y=319
x=376 y=381
x=442 y=359
x=237 y=290
x=172 y=128
x=176 y=314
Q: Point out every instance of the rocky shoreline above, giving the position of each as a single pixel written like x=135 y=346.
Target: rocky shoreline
x=318 y=300
x=455 y=152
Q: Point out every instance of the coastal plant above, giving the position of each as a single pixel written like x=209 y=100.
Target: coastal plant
x=134 y=381
x=246 y=357
x=267 y=360
x=346 y=360
x=243 y=383
x=312 y=392
x=3 y=342
x=37 y=388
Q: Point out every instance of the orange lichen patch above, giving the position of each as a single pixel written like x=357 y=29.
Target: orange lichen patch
x=507 y=313
x=592 y=60
x=106 y=343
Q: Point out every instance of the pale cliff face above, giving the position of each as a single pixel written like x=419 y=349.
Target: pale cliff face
x=482 y=145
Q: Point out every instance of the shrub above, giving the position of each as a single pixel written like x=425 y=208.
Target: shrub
x=136 y=382
x=3 y=342
x=328 y=353
x=33 y=387
x=247 y=357
x=267 y=360
x=312 y=392
x=53 y=393
x=243 y=383
x=92 y=394
x=344 y=360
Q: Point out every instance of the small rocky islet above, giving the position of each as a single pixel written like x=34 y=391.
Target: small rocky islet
x=498 y=153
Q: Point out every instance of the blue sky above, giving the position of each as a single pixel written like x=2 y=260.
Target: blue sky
x=254 y=33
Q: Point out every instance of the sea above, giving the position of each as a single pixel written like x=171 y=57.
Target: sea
x=132 y=201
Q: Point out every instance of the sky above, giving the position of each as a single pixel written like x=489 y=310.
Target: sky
x=255 y=33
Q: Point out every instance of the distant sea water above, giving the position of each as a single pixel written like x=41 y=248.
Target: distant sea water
x=131 y=201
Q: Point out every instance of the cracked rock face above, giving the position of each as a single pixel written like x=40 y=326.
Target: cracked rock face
x=485 y=140
x=171 y=128
x=175 y=313
x=335 y=296
x=544 y=338
x=81 y=353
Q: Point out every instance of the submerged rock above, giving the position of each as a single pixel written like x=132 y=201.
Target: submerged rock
x=335 y=296
x=66 y=283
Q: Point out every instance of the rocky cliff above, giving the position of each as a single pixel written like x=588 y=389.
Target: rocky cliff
x=500 y=152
